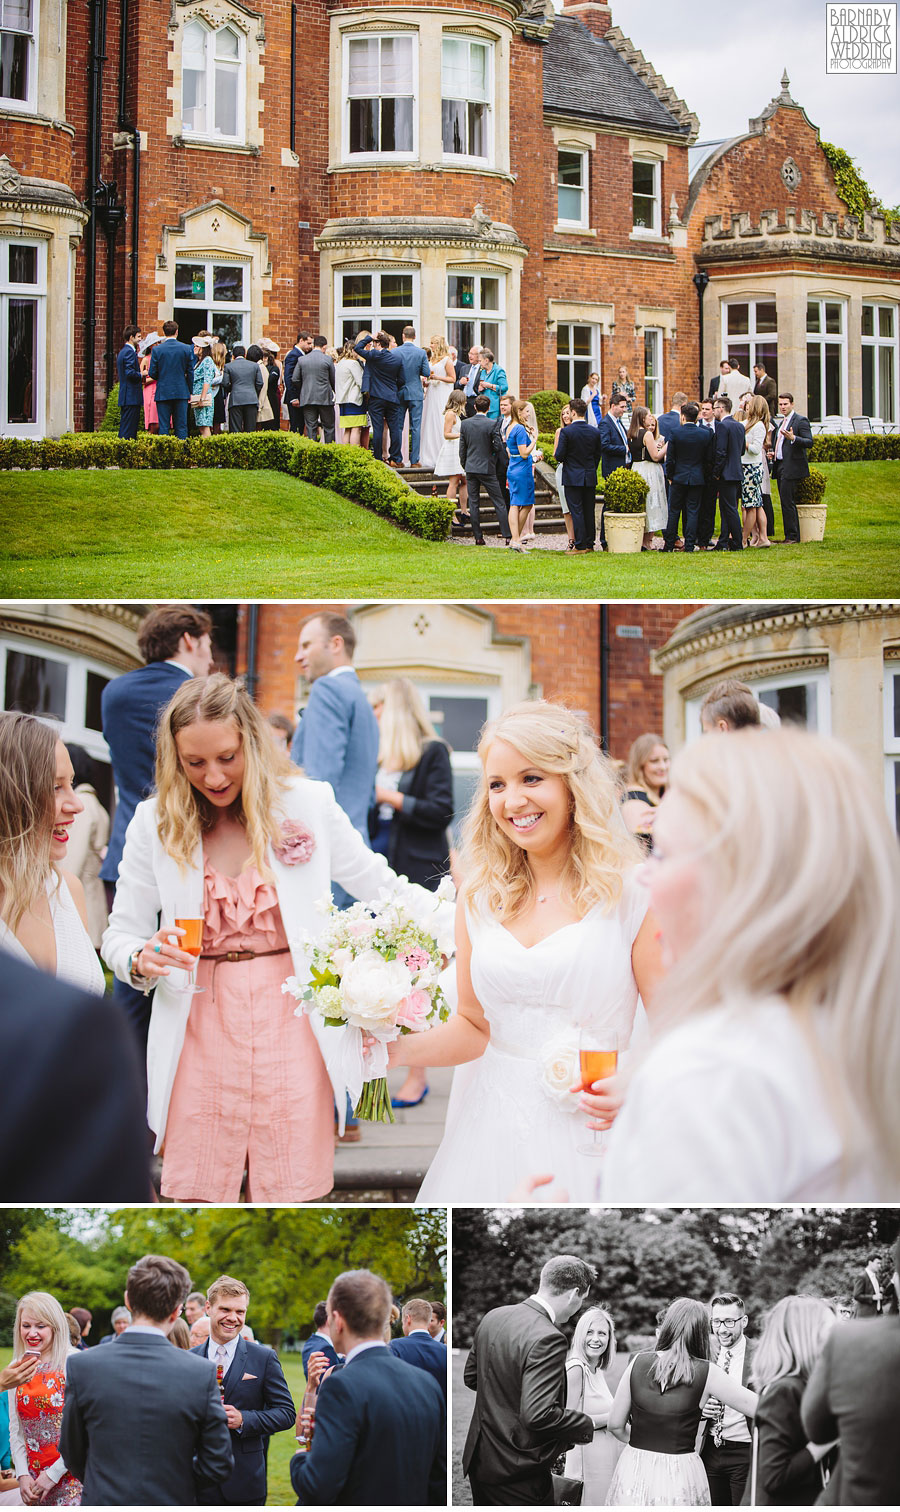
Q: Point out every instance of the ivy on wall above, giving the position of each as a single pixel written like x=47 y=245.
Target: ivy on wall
x=852 y=187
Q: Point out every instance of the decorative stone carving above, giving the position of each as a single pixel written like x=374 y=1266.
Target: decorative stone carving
x=10 y=178
x=790 y=174
x=481 y=220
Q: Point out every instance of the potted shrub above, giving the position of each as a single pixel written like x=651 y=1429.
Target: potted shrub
x=809 y=497
x=624 y=509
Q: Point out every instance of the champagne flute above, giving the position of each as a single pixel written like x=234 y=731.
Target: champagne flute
x=598 y=1057
x=191 y=942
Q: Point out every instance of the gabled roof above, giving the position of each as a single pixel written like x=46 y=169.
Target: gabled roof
x=585 y=76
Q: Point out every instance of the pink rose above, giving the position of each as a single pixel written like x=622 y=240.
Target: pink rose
x=416 y=960
x=413 y=1011
x=296 y=845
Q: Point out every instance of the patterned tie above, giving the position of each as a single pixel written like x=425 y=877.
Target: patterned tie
x=220 y=1369
x=724 y=1364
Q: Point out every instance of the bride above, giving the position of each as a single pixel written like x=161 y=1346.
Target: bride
x=440 y=385
x=552 y=933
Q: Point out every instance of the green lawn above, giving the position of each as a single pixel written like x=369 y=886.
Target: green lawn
x=281 y=1447
x=206 y=535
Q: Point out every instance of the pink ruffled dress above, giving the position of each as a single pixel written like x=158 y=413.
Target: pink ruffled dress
x=251 y=1090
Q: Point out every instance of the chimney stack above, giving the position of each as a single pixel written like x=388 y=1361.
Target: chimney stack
x=594 y=14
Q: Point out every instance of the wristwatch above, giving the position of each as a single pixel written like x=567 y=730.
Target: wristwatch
x=138 y=980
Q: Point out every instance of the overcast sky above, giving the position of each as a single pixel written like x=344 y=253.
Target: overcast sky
x=726 y=62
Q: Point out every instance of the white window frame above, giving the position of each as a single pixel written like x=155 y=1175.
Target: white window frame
x=655 y=230
x=877 y=344
x=656 y=334
x=817 y=678
x=72 y=726
x=376 y=157
x=213 y=307
x=468 y=157
x=374 y=314
x=478 y=314
x=28 y=106
x=754 y=337
x=38 y=292
x=822 y=339
x=583 y=223
x=595 y=331
x=209 y=133
x=891 y=741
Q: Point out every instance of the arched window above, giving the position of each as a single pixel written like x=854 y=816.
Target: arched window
x=212 y=72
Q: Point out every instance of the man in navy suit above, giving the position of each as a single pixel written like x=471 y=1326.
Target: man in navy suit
x=131 y=388
x=384 y=367
x=417 y=1346
x=578 y=449
x=614 y=449
x=319 y=1342
x=689 y=461
x=792 y=441
x=412 y=394
x=175 y=642
x=706 y=522
x=729 y=448
x=254 y=1394
x=172 y=366
x=670 y=422
x=379 y=1426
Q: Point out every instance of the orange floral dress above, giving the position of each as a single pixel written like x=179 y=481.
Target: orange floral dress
x=251 y=1090
x=39 y=1404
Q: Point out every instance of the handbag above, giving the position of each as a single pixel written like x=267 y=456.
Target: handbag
x=567 y=1492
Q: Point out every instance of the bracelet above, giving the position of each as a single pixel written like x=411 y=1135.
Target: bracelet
x=136 y=976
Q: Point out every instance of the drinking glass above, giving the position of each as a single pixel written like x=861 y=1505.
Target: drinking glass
x=598 y=1057
x=192 y=942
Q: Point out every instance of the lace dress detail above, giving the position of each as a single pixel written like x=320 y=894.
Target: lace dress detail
x=76 y=959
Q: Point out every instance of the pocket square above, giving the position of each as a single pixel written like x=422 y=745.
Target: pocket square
x=247 y=1376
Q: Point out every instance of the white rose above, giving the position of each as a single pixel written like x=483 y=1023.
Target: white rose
x=559 y=1067
x=372 y=990
x=341 y=958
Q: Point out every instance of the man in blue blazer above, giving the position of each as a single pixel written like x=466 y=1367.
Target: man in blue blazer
x=175 y=642
x=614 y=448
x=384 y=369
x=491 y=381
x=670 y=422
x=412 y=394
x=336 y=740
x=729 y=473
x=417 y=1347
x=172 y=366
x=379 y=1428
x=578 y=449
x=319 y=1342
x=131 y=388
x=254 y=1394
x=689 y=461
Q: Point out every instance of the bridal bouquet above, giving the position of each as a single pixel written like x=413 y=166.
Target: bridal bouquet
x=375 y=970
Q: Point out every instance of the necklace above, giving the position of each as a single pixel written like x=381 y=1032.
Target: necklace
x=542 y=897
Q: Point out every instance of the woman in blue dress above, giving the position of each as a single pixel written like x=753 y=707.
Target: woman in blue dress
x=522 y=456
x=203 y=398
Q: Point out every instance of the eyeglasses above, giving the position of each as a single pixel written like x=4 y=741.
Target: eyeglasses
x=726 y=1322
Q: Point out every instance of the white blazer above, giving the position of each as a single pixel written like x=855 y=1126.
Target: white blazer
x=151 y=884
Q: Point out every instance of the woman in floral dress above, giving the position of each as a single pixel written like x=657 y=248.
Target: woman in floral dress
x=36 y=1408
x=203 y=399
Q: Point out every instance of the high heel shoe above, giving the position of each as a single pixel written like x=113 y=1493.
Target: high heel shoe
x=461 y=517
x=402 y=1102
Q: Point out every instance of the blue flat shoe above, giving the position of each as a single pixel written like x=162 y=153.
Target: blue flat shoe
x=401 y=1102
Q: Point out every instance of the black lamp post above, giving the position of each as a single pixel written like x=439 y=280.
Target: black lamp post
x=110 y=213
x=701 y=279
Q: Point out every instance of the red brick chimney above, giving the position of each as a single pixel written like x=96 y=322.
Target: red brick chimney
x=593 y=14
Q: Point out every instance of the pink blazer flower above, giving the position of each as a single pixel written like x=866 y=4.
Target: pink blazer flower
x=296 y=845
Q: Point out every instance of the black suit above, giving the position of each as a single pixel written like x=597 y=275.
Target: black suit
x=480 y=445
x=689 y=462
x=379 y=1439
x=417 y=841
x=868 y=1305
x=89 y=1144
x=706 y=520
x=254 y=1384
x=727 y=1465
x=730 y=438
x=143 y=1424
x=852 y=1395
x=318 y=1344
x=786 y=1473
x=517 y=1369
x=792 y=465
x=579 y=449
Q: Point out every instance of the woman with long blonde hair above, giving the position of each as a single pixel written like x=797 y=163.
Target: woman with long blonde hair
x=662 y=1395
x=521 y=446
x=43 y=913
x=551 y=937
x=757 y=422
x=591 y=1353
x=789 y=1468
x=41 y=1333
x=776 y=881
x=237 y=843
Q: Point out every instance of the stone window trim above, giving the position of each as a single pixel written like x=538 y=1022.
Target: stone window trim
x=452 y=165
x=652 y=317
x=881 y=354
x=215 y=231
x=583 y=222
x=8 y=112
x=480 y=37
x=654 y=232
x=584 y=312
x=382 y=31
x=250 y=26
x=28 y=105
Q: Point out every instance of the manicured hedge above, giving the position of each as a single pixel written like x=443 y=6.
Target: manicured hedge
x=547 y=406
x=855 y=449
x=348 y=470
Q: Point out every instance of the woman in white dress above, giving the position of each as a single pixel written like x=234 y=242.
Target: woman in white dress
x=552 y=934
x=440 y=384
x=43 y=915
x=592 y=1351
x=776 y=882
x=448 y=464
x=648 y=451
x=756 y=427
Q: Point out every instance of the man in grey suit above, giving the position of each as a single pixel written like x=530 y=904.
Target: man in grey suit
x=143 y=1423
x=314 y=384
x=480 y=445
x=412 y=394
x=243 y=381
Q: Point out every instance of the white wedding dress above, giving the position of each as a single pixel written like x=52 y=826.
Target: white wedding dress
x=505 y=1121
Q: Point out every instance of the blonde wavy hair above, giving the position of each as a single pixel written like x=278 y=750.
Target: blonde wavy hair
x=404 y=728
x=755 y=410
x=638 y=757
x=45 y=1309
x=554 y=740
x=27 y=812
x=183 y=814
x=577 y=1346
x=438 y=348
x=792 y=1339
x=795 y=843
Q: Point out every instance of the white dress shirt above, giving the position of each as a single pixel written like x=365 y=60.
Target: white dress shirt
x=734 y=1424
x=542 y=1302
x=366 y=1344
x=229 y=1352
